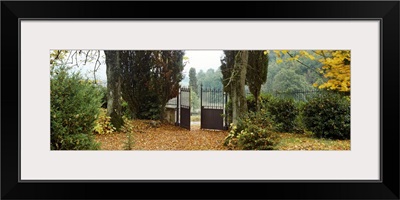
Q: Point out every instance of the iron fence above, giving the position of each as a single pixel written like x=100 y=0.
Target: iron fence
x=297 y=95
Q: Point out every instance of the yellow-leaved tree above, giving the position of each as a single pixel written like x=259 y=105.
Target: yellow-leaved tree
x=335 y=66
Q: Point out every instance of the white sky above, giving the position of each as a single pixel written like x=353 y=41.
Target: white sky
x=198 y=59
x=203 y=60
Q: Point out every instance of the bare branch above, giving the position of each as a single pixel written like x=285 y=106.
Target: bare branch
x=96 y=67
x=86 y=57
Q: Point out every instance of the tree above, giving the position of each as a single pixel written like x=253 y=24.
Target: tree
x=150 y=79
x=114 y=108
x=193 y=80
x=257 y=71
x=234 y=68
x=287 y=80
x=136 y=78
x=194 y=101
x=227 y=63
x=335 y=69
x=166 y=75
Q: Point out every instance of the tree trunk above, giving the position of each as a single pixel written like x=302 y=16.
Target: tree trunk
x=114 y=108
x=242 y=93
x=256 y=99
x=238 y=96
x=234 y=101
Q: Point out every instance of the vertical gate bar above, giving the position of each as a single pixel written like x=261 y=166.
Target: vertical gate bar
x=180 y=106
x=213 y=98
x=190 y=112
x=177 y=109
x=201 y=105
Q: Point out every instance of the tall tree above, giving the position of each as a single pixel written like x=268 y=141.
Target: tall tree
x=150 y=79
x=257 y=71
x=193 y=80
x=136 y=77
x=287 y=80
x=114 y=108
x=335 y=68
x=234 y=69
x=166 y=75
x=227 y=64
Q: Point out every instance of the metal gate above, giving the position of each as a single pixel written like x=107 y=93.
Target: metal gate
x=185 y=108
x=212 y=104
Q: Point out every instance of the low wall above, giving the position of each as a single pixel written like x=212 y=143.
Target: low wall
x=170 y=115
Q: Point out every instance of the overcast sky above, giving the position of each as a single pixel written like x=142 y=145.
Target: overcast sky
x=203 y=59
x=198 y=59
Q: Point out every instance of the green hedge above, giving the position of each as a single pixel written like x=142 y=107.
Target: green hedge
x=74 y=108
x=328 y=116
x=283 y=113
x=263 y=99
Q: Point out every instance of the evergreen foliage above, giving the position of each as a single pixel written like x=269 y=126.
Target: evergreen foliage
x=74 y=108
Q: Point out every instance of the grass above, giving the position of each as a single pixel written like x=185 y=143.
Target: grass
x=291 y=141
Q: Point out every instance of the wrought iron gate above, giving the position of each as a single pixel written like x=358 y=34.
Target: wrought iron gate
x=212 y=104
x=184 y=108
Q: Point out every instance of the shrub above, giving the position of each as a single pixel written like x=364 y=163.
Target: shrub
x=74 y=109
x=253 y=132
x=299 y=126
x=328 y=116
x=126 y=112
x=103 y=123
x=128 y=130
x=103 y=90
x=283 y=113
x=263 y=99
x=79 y=141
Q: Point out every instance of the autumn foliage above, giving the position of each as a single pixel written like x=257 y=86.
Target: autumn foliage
x=335 y=66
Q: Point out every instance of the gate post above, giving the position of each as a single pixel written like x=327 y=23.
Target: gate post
x=177 y=109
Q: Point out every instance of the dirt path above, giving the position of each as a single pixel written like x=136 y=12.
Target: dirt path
x=165 y=137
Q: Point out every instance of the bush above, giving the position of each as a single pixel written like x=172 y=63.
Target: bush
x=126 y=111
x=103 y=90
x=299 y=126
x=328 y=116
x=263 y=99
x=103 y=123
x=74 y=108
x=283 y=113
x=128 y=129
x=253 y=132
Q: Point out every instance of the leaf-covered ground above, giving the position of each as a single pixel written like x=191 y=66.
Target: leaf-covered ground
x=170 y=137
x=290 y=141
x=165 y=137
